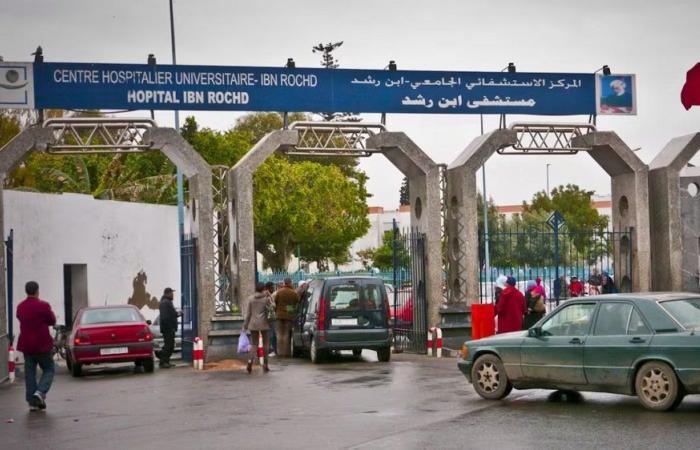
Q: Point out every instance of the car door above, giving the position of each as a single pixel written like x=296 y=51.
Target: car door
x=307 y=321
x=304 y=303
x=620 y=335
x=557 y=355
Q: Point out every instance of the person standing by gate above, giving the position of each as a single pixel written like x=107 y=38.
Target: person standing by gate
x=270 y=288
x=256 y=321
x=286 y=301
x=35 y=317
x=510 y=308
x=168 y=327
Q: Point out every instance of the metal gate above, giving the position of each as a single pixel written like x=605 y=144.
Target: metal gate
x=188 y=261
x=409 y=313
x=555 y=254
x=10 y=264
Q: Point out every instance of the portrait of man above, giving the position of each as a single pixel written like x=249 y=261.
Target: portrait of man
x=615 y=94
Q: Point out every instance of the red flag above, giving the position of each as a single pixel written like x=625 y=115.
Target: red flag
x=690 y=94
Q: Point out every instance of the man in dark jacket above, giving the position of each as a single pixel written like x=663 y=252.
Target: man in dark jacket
x=168 y=327
x=286 y=302
x=35 y=317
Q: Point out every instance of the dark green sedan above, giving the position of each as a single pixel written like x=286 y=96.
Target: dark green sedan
x=633 y=344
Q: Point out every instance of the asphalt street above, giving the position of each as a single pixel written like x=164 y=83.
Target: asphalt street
x=411 y=402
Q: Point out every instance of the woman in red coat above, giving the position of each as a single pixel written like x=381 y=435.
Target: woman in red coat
x=510 y=308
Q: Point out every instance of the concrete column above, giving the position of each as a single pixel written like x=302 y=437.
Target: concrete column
x=630 y=202
x=424 y=185
x=199 y=178
x=462 y=217
x=241 y=223
x=667 y=224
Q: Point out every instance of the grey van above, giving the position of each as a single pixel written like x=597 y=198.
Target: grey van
x=343 y=313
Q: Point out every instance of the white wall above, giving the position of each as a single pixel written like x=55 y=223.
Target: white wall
x=115 y=240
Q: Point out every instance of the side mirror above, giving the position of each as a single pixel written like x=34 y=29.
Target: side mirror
x=148 y=322
x=534 y=332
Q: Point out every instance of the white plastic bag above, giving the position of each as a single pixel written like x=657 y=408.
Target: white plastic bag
x=243 y=343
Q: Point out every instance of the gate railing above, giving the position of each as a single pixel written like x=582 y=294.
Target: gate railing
x=409 y=313
x=555 y=256
x=188 y=261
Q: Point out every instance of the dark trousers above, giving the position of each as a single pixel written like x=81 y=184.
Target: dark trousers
x=45 y=361
x=253 y=353
x=168 y=346
x=273 y=336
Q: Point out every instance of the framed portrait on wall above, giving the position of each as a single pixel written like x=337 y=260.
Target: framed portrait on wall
x=616 y=94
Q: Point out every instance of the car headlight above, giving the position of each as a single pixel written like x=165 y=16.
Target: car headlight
x=465 y=351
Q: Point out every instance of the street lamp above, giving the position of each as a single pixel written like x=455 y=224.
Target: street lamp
x=178 y=176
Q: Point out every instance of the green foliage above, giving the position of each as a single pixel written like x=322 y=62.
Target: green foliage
x=383 y=257
x=366 y=257
x=308 y=204
x=404 y=193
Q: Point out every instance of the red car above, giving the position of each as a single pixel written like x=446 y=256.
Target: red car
x=110 y=334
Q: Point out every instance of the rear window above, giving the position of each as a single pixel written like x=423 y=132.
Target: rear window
x=686 y=311
x=345 y=297
x=93 y=316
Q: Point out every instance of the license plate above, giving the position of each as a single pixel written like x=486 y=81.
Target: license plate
x=114 y=350
x=344 y=322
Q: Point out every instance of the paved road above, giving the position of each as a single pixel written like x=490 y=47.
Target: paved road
x=412 y=402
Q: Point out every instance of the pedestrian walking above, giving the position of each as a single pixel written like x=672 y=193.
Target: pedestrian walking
x=511 y=308
x=576 y=288
x=35 y=317
x=272 y=318
x=168 y=327
x=535 y=305
x=594 y=282
x=608 y=284
x=500 y=285
x=256 y=323
x=286 y=302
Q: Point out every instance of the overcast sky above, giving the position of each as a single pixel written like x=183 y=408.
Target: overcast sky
x=659 y=41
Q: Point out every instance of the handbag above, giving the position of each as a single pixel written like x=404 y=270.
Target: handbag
x=243 y=343
x=270 y=310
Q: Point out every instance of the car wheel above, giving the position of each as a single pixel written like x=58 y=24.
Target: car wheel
x=657 y=386
x=357 y=352
x=76 y=369
x=489 y=378
x=315 y=354
x=148 y=365
x=384 y=354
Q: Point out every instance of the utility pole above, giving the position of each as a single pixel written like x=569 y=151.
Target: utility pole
x=548 y=179
x=180 y=184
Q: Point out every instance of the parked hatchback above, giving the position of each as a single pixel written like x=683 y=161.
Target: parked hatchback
x=109 y=334
x=343 y=313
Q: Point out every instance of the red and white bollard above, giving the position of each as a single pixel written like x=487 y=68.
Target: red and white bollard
x=437 y=350
x=429 y=344
x=11 y=364
x=261 y=350
x=198 y=354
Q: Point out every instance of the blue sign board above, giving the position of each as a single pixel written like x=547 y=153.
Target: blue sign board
x=218 y=88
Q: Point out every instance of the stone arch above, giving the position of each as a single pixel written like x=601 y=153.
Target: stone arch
x=423 y=176
x=629 y=177
x=177 y=150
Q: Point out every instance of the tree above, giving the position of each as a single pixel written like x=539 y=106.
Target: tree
x=366 y=257
x=307 y=204
x=583 y=221
x=384 y=255
x=404 y=194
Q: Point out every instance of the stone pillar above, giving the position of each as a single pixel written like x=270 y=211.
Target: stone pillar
x=630 y=203
x=241 y=223
x=199 y=178
x=667 y=224
x=462 y=215
x=690 y=225
x=424 y=186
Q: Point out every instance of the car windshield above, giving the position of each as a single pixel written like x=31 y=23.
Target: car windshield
x=686 y=311
x=108 y=315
